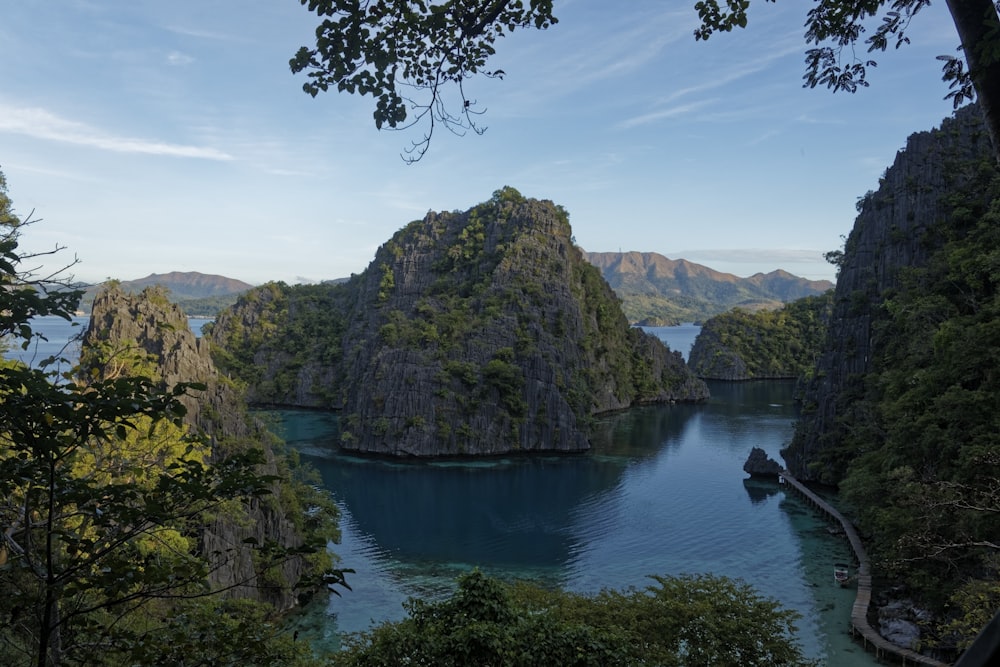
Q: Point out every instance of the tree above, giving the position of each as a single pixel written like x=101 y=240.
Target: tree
x=694 y=621
x=103 y=490
x=836 y=27
x=396 y=50
x=406 y=53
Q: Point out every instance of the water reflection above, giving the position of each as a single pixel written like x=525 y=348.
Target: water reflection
x=760 y=490
x=506 y=512
x=640 y=432
x=661 y=492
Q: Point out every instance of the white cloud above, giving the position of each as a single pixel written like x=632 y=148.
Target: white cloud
x=43 y=124
x=669 y=112
x=753 y=255
x=178 y=58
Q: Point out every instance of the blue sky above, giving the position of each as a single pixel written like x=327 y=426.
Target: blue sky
x=171 y=136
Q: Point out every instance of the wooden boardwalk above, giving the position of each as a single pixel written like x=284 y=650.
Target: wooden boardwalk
x=859 y=612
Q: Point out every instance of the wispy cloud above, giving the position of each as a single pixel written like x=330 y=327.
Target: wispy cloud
x=43 y=124
x=763 y=137
x=178 y=58
x=202 y=34
x=753 y=255
x=712 y=83
x=613 y=52
x=669 y=112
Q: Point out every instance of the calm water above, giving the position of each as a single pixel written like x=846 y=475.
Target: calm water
x=680 y=337
x=662 y=492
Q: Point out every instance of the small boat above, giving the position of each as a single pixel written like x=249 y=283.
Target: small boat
x=841 y=573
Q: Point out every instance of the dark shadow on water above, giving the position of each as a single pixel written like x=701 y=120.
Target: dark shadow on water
x=760 y=490
x=754 y=398
x=509 y=511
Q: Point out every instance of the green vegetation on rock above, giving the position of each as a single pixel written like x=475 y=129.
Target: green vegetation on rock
x=904 y=409
x=923 y=450
x=124 y=533
x=476 y=332
x=783 y=343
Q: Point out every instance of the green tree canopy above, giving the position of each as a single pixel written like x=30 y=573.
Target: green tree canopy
x=693 y=621
x=409 y=54
x=406 y=54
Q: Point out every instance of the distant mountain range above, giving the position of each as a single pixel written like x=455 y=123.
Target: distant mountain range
x=189 y=285
x=197 y=293
x=656 y=290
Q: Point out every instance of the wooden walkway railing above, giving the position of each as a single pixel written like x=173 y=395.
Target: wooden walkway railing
x=859 y=612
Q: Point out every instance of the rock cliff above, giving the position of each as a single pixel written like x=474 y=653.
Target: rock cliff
x=481 y=332
x=895 y=229
x=147 y=332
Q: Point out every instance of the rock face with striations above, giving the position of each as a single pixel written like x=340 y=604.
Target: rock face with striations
x=889 y=234
x=481 y=332
x=149 y=328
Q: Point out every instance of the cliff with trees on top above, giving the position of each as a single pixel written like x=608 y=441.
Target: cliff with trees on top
x=471 y=333
x=903 y=410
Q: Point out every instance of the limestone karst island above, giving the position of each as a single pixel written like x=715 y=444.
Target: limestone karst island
x=469 y=449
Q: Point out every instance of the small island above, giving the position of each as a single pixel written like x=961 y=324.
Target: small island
x=473 y=333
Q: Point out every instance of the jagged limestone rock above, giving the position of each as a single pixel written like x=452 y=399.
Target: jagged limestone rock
x=762 y=345
x=889 y=235
x=147 y=324
x=481 y=332
x=711 y=358
x=759 y=464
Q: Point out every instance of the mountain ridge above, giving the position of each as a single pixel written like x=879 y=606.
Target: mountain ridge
x=197 y=293
x=655 y=289
x=189 y=284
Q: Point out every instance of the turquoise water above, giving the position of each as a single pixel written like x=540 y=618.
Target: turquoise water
x=662 y=492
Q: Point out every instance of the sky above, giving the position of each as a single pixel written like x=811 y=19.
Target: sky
x=150 y=136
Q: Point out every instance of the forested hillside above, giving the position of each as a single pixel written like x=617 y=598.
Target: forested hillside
x=470 y=333
x=904 y=409
x=782 y=343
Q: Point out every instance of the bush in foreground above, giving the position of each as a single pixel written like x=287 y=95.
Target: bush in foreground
x=688 y=620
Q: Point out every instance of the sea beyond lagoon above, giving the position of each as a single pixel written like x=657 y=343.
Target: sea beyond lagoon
x=662 y=492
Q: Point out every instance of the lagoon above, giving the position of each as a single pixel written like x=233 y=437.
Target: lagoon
x=661 y=492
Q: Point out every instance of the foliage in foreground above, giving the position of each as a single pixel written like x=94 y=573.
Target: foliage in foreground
x=690 y=620
x=103 y=494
